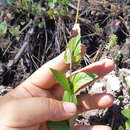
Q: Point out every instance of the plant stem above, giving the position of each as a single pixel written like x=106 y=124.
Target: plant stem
x=78 y=6
x=70 y=71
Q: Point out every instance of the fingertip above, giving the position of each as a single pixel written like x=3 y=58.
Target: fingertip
x=69 y=107
x=61 y=110
x=105 y=66
x=100 y=68
x=62 y=66
x=106 y=100
x=94 y=101
x=109 y=64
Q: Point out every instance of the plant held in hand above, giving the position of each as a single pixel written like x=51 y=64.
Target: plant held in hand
x=72 y=56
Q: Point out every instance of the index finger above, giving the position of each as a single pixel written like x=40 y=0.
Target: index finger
x=43 y=77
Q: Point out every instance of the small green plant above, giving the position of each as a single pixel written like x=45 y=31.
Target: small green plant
x=3 y=28
x=37 y=9
x=98 y=28
x=15 y=30
x=71 y=85
x=112 y=42
x=119 y=56
x=74 y=84
x=126 y=113
x=58 y=7
x=73 y=50
x=25 y=5
x=52 y=3
x=72 y=56
x=27 y=8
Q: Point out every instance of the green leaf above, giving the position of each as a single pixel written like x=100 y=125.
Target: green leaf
x=63 y=12
x=3 y=28
x=58 y=125
x=73 y=51
x=81 y=79
x=62 y=80
x=64 y=2
x=52 y=3
x=41 y=25
x=15 y=30
x=127 y=124
x=37 y=9
x=69 y=97
x=121 y=128
x=25 y=4
x=68 y=56
x=126 y=113
x=23 y=23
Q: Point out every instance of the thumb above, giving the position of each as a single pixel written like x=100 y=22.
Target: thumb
x=31 y=111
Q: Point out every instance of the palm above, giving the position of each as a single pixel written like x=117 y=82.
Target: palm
x=55 y=92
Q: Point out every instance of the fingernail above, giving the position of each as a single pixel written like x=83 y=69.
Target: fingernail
x=69 y=107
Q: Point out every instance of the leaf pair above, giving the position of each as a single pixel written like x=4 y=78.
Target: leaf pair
x=63 y=81
x=72 y=86
x=77 y=81
x=72 y=56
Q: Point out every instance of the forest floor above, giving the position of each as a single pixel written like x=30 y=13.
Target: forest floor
x=34 y=33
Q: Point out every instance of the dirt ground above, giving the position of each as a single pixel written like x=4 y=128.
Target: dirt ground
x=21 y=55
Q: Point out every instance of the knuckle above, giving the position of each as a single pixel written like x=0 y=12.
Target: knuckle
x=54 y=109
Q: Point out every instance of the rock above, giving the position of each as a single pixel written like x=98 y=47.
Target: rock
x=113 y=82
x=97 y=87
x=110 y=84
x=124 y=71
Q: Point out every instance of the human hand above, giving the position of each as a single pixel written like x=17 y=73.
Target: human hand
x=37 y=99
